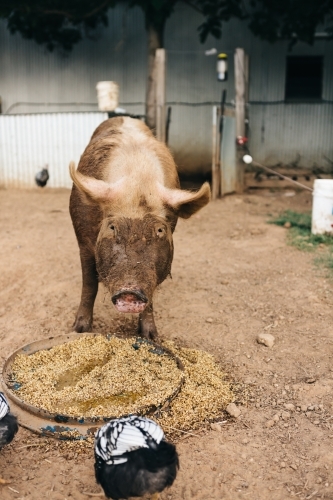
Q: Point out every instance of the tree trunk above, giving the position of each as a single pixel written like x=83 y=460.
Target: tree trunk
x=155 y=41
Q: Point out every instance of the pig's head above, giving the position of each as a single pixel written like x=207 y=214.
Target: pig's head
x=133 y=256
x=134 y=248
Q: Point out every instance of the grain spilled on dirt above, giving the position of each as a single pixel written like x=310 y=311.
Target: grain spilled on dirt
x=101 y=376
x=204 y=395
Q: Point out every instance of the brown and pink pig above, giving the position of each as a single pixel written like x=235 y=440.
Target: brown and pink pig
x=124 y=206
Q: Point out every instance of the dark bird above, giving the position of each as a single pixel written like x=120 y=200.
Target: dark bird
x=8 y=423
x=132 y=458
x=42 y=177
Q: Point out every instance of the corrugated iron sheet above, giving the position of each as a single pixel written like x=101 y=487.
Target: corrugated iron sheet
x=29 y=142
x=34 y=80
x=297 y=135
x=279 y=132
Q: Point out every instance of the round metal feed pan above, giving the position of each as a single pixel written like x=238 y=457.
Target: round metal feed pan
x=63 y=426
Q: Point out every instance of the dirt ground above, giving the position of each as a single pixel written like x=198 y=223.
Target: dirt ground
x=233 y=277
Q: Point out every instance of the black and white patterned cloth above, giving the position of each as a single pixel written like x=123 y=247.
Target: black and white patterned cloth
x=122 y=435
x=4 y=406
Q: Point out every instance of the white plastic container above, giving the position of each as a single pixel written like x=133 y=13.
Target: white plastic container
x=107 y=95
x=322 y=207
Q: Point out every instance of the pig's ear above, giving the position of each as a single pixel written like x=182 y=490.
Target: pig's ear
x=185 y=203
x=95 y=189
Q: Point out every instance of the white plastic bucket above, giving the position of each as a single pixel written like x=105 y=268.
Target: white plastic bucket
x=107 y=95
x=322 y=207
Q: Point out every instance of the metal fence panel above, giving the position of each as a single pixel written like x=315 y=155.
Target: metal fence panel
x=296 y=135
x=28 y=142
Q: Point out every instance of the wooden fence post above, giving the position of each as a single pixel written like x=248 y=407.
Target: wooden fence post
x=160 y=63
x=215 y=154
x=241 y=92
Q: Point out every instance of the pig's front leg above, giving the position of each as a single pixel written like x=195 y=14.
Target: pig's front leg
x=84 y=315
x=147 y=328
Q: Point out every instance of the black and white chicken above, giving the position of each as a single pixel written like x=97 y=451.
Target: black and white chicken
x=42 y=177
x=8 y=423
x=132 y=458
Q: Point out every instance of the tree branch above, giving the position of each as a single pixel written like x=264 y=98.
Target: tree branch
x=193 y=6
x=66 y=14
x=97 y=9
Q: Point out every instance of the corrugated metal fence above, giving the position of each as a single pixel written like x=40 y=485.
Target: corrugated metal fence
x=294 y=134
x=29 y=142
x=289 y=134
x=33 y=80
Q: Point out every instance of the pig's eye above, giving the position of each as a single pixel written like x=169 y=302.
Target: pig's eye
x=112 y=227
x=160 y=232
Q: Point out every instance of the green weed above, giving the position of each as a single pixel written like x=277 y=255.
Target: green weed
x=301 y=221
x=299 y=232
x=325 y=261
x=299 y=235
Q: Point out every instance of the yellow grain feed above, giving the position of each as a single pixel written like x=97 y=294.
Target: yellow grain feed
x=95 y=376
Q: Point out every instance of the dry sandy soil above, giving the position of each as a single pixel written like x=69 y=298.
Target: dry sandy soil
x=233 y=277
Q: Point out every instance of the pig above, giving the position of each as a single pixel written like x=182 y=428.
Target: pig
x=124 y=206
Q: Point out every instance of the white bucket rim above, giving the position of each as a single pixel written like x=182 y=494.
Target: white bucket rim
x=107 y=84
x=323 y=187
x=323 y=182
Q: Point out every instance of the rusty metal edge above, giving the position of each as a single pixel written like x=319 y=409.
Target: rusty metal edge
x=53 y=425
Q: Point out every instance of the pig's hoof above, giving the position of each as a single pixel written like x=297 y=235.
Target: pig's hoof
x=149 y=336
x=147 y=333
x=82 y=325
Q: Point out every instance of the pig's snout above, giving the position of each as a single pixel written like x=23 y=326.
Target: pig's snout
x=130 y=301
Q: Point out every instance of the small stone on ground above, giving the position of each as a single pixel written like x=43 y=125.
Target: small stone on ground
x=266 y=339
x=233 y=410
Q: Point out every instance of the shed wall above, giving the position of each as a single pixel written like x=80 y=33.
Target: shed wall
x=34 y=80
